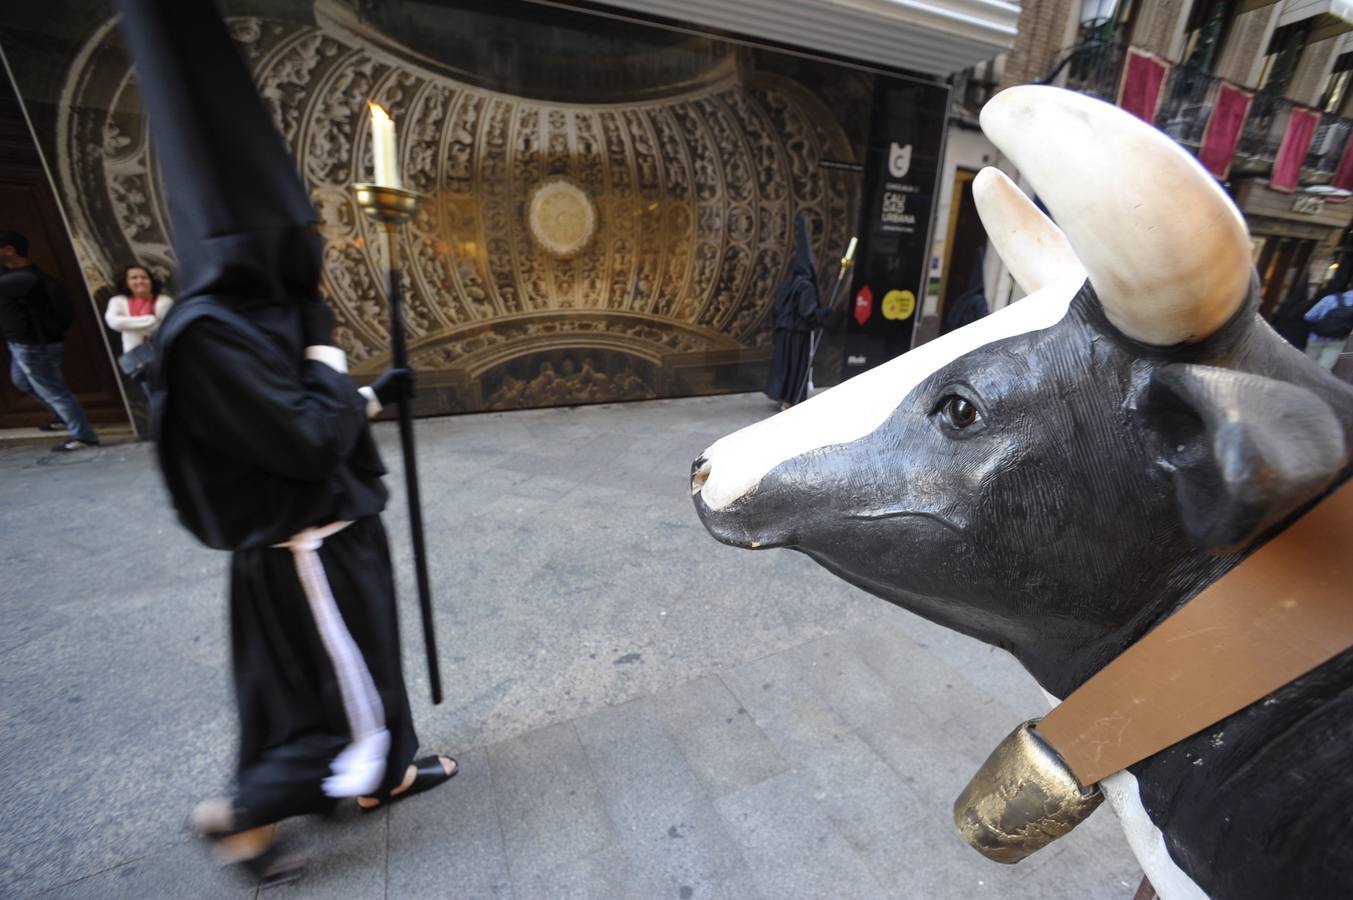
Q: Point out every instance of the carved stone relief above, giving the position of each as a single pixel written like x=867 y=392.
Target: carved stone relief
x=637 y=231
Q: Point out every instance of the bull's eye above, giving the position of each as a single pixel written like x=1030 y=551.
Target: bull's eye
x=958 y=412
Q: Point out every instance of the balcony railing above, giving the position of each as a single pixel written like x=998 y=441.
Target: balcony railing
x=1265 y=126
x=1186 y=102
x=1263 y=132
x=1327 y=147
x=1091 y=68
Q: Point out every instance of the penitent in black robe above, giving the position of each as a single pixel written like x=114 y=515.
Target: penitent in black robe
x=795 y=316
x=264 y=441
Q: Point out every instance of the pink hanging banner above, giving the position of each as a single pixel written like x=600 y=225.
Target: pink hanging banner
x=1223 y=129
x=1143 y=76
x=1343 y=176
x=1292 y=151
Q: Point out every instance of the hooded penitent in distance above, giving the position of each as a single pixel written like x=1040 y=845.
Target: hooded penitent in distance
x=795 y=314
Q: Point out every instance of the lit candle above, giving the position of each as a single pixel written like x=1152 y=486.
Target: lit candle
x=850 y=251
x=383 y=152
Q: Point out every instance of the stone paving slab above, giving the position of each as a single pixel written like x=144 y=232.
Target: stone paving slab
x=639 y=711
x=792 y=846
x=182 y=869
x=435 y=842
x=604 y=875
x=549 y=804
x=717 y=737
x=674 y=838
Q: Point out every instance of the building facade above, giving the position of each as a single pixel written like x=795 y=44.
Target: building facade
x=1259 y=91
x=609 y=189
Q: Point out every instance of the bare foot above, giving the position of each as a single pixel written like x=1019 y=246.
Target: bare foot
x=448 y=766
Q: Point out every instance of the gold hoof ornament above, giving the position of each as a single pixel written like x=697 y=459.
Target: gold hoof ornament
x=561 y=217
x=1022 y=799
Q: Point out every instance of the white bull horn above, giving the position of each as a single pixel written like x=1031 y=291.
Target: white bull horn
x=1166 y=250
x=1032 y=247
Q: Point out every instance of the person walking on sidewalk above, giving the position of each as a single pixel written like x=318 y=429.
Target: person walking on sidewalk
x=265 y=447
x=1331 y=322
x=34 y=317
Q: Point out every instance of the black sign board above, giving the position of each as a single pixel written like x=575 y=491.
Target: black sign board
x=901 y=183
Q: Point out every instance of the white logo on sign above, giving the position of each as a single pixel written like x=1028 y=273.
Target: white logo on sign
x=899 y=160
x=894 y=206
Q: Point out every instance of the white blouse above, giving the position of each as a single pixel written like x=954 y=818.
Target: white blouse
x=136 y=330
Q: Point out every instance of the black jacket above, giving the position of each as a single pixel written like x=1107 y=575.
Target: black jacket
x=33 y=307
x=256 y=444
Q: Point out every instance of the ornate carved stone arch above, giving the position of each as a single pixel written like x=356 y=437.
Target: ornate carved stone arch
x=668 y=219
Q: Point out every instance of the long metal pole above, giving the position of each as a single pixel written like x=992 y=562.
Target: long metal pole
x=836 y=288
x=400 y=358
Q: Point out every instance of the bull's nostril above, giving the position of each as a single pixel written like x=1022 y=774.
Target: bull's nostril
x=699 y=475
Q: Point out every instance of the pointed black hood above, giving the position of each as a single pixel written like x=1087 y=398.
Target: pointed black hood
x=802 y=274
x=243 y=226
x=803 y=266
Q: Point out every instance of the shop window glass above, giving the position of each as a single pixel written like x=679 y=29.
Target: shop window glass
x=1335 y=96
x=1205 y=33
x=1283 y=55
x=609 y=202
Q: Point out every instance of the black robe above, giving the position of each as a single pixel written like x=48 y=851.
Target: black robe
x=260 y=445
x=1289 y=319
x=795 y=315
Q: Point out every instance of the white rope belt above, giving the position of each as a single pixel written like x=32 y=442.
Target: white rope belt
x=358 y=769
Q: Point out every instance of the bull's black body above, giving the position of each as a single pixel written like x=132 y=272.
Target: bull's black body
x=1103 y=484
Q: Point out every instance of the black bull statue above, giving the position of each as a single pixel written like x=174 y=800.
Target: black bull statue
x=1059 y=477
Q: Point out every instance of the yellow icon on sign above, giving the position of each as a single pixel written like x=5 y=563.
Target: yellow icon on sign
x=899 y=304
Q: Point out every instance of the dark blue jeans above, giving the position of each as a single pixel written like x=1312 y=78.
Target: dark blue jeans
x=36 y=369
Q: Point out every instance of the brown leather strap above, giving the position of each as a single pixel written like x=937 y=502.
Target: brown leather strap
x=1282 y=612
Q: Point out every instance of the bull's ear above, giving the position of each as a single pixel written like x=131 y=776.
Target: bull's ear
x=1032 y=247
x=1244 y=451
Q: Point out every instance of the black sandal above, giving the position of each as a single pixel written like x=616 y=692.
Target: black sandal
x=428 y=773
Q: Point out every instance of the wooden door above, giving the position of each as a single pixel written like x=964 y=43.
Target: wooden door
x=1278 y=276
x=28 y=206
x=1298 y=270
x=966 y=240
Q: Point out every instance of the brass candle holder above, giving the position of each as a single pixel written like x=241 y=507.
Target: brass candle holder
x=390 y=205
x=393 y=207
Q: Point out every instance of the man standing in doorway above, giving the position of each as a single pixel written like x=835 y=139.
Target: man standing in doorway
x=1331 y=322
x=34 y=317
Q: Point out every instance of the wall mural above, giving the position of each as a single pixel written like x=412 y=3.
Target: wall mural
x=565 y=252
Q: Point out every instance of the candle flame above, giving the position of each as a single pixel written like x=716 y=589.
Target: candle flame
x=378 y=111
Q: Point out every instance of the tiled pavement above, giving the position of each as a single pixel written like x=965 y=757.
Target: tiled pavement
x=638 y=711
